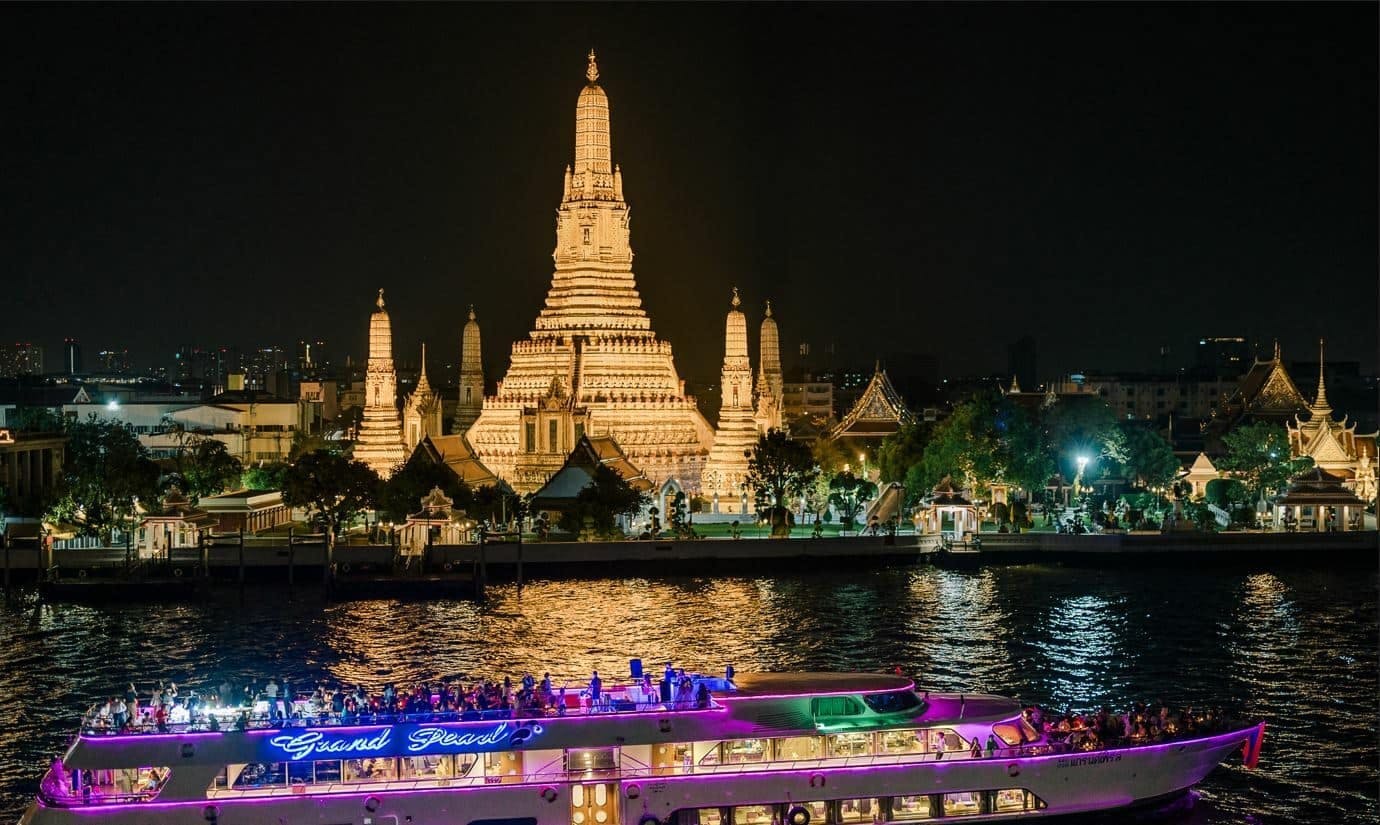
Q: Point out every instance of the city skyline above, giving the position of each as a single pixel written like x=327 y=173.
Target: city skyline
x=1208 y=173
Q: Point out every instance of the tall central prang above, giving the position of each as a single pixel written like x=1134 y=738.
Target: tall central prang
x=592 y=364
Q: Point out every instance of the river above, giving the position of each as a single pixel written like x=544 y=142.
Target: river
x=1296 y=646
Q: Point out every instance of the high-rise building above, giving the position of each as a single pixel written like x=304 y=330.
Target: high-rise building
x=311 y=357
x=380 y=441
x=113 y=362
x=262 y=366
x=21 y=358
x=1227 y=357
x=592 y=363
x=71 y=356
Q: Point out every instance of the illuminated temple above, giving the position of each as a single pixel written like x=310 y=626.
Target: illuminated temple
x=1334 y=446
x=725 y=473
x=592 y=365
x=380 y=442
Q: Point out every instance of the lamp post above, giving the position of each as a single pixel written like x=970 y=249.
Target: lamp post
x=1078 y=481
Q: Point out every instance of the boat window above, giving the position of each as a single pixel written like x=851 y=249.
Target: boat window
x=370 y=770
x=964 y=803
x=896 y=701
x=859 y=810
x=850 y=744
x=754 y=815
x=715 y=816
x=259 y=775
x=327 y=770
x=1013 y=799
x=794 y=748
x=438 y=766
x=944 y=739
x=908 y=808
x=900 y=741
x=301 y=773
x=591 y=759
x=737 y=751
x=1010 y=733
x=709 y=753
x=835 y=706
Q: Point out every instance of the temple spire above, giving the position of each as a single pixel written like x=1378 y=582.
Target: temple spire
x=737 y=302
x=1320 y=404
x=380 y=300
x=423 y=385
x=592 y=72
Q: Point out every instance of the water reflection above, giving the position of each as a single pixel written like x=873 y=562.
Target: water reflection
x=1296 y=647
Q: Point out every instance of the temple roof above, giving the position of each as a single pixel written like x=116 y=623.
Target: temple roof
x=454 y=451
x=578 y=471
x=878 y=411
x=1266 y=389
x=947 y=494
x=1318 y=487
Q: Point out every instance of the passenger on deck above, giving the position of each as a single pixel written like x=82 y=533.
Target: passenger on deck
x=702 y=696
x=976 y=750
x=595 y=683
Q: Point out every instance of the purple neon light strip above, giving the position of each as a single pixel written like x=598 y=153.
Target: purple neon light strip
x=1219 y=739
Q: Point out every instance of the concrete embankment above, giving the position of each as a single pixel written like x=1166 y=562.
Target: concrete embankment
x=1185 y=547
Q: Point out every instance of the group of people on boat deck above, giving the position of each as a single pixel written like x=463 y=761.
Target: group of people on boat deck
x=1142 y=724
x=275 y=702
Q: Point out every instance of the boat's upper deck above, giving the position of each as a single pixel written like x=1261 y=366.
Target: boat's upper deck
x=783 y=685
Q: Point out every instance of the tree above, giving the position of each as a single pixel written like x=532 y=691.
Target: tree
x=35 y=420
x=1226 y=492
x=1259 y=455
x=333 y=488
x=606 y=497
x=963 y=446
x=402 y=493
x=848 y=494
x=264 y=477
x=779 y=468
x=204 y=466
x=902 y=450
x=829 y=458
x=1023 y=457
x=106 y=472
x=1083 y=427
x=1150 y=459
x=304 y=442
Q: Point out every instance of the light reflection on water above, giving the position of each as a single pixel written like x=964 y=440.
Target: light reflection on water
x=1297 y=647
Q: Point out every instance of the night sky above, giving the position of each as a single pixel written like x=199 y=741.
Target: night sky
x=932 y=179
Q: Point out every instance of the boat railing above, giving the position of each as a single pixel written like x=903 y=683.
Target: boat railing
x=56 y=791
x=241 y=719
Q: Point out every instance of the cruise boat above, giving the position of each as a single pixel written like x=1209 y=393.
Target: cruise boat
x=764 y=749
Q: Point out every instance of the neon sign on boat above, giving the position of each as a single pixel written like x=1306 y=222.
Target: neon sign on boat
x=423 y=739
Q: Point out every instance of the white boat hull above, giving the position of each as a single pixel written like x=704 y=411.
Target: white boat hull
x=1066 y=783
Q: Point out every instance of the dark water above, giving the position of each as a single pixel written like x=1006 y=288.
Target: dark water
x=1298 y=647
